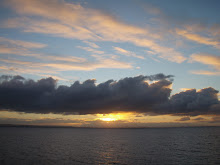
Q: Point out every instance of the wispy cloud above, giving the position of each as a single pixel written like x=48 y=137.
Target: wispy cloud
x=100 y=62
x=18 y=47
x=210 y=30
x=19 y=68
x=186 y=26
x=23 y=48
x=51 y=27
x=205 y=72
x=127 y=53
x=91 y=44
x=198 y=38
x=64 y=58
x=23 y=44
x=186 y=89
x=57 y=66
x=75 y=21
x=89 y=49
x=49 y=64
x=207 y=59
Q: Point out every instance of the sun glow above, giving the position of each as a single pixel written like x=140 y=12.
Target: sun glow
x=113 y=116
x=108 y=119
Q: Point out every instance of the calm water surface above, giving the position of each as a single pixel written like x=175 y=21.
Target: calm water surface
x=109 y=146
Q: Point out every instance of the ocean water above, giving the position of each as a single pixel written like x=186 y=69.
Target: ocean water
x=109 y=146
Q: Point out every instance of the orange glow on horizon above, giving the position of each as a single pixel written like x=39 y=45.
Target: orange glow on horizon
x=108 y=119
x=114 y=116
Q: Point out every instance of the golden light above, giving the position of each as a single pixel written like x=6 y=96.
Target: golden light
x=108 y=119
x=113 y=116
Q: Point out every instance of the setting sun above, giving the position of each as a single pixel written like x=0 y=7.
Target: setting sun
x=108 y=119
x=114 y=116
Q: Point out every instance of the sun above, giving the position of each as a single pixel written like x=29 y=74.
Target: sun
x=113 y=116
x=108 y=119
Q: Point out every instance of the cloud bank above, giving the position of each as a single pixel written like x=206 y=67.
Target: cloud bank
x=133 y=94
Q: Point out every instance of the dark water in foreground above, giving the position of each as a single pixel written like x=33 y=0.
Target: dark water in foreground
x=110 y=146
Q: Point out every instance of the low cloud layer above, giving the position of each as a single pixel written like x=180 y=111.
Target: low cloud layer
x=183 y=119
x=192 y=102
x=128 y=94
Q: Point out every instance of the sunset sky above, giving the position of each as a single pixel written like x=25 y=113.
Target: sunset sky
x=140 y=63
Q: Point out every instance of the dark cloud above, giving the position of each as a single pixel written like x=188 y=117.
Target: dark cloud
x=215 y=119
x=38 y=121
x=192 y=102
x=199 y=119
x=183 y=119
x=128 y=94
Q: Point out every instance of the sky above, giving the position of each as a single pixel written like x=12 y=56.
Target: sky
x=133 y=63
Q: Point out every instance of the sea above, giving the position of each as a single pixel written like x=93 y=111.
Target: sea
x=46 y=145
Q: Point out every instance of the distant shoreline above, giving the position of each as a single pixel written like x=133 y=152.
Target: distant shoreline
x=46 y=126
